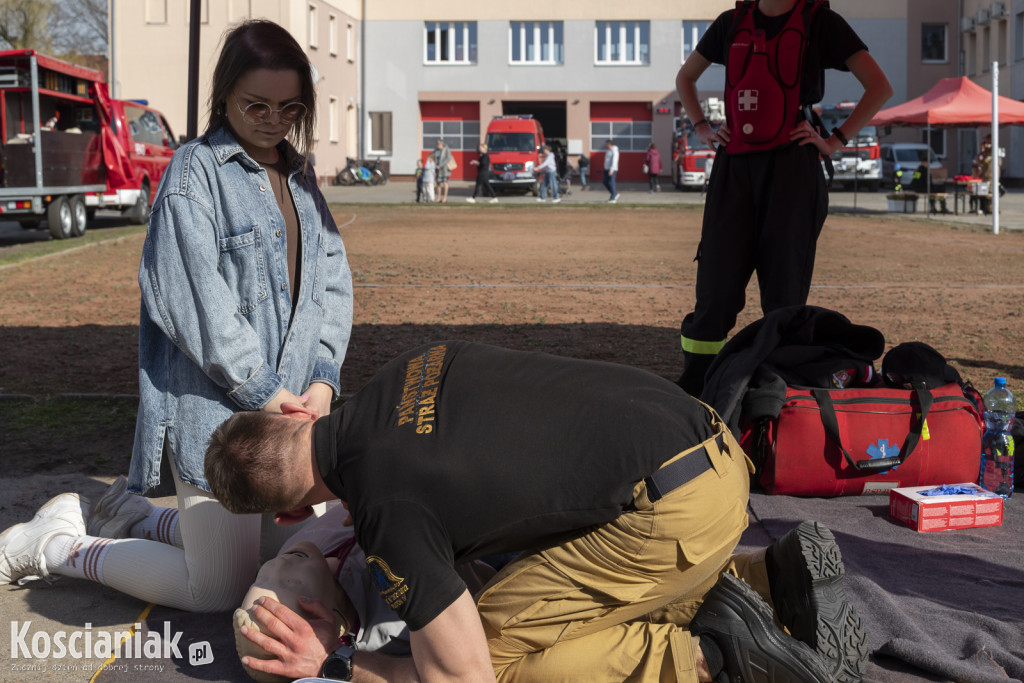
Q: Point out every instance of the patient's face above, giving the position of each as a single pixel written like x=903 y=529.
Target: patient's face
x=300 y=571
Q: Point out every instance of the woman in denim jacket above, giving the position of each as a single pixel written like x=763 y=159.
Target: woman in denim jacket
x=246 y=305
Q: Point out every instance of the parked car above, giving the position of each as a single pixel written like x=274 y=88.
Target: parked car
x=513 y=143
x=900 y=157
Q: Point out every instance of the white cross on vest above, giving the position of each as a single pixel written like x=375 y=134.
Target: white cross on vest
x=747 y=100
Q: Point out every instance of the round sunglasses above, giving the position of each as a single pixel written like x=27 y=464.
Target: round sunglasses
x=260 y=112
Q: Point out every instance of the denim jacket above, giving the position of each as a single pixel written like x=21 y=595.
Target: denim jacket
x=217 y=330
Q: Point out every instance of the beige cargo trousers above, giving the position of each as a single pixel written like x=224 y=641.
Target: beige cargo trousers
x=614 y=604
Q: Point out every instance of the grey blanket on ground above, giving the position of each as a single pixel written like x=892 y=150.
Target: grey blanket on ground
x=950 y=603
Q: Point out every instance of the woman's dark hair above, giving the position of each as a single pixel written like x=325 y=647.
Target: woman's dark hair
x=262 y=44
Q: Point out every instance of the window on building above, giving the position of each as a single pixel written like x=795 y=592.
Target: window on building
x=535 y=42
x=933 y=44
x=986 y=50
x=622 y=42
x=449 y=42
x=937 y=139
x=380 y=132
x=332 y=119
x=156 y=11
x=692 y=32
x=312 y=25
x=332 y=35
x=1002 y=49
x=457 y=134
x=350 y=44
x=630 y=136
x=1018 y=36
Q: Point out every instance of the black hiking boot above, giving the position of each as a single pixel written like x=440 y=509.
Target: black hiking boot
x=805 y=570
x=754 y=648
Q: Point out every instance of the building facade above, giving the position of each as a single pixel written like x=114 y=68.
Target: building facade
x=149 y=59
x=993 y=32
x=587 y=70
x=407 y=73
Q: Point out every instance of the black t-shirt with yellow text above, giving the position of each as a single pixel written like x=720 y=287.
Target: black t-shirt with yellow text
x=457 y=450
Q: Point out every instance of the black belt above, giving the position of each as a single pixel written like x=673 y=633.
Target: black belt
x=681 y=471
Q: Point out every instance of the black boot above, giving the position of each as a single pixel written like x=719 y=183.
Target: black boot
x=753 y=648
x=694 y=369
x=805 y=572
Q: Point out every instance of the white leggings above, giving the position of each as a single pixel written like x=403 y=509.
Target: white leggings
x=216 y=563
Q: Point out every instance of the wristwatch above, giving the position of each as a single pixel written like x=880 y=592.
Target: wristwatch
x=338 y=665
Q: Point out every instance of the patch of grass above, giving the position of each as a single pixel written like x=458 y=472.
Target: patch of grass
x=26 y=252
x=64 y=418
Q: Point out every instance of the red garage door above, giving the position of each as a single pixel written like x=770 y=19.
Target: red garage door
x=628 y=124
x=458 y=124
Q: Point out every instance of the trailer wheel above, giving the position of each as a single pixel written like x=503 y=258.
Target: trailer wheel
x=60 y=218
x=79 y=215
x=140 y=212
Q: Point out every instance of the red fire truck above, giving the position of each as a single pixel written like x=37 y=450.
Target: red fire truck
x=67 y=149
x=689 y=155
x=860 y=160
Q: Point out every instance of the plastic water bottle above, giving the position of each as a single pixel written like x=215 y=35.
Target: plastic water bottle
x=997 y=443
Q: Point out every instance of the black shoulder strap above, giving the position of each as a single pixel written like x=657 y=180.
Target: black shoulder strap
x=742 y=7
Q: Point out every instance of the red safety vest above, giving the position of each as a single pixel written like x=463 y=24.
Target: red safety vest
x=762 y=79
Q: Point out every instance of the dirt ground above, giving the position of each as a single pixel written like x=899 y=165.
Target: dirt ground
x=609 y=283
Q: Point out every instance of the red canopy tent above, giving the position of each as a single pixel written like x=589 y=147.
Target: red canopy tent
x=957 y=103
x=952 y=103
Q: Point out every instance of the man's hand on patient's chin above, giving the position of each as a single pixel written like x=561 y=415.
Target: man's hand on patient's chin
x=299 y=646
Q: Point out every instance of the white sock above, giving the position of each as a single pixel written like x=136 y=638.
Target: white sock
x=78 y=556
x=161 y=525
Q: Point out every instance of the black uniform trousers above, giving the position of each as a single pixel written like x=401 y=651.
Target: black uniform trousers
x=483 y=185
x=763 y=214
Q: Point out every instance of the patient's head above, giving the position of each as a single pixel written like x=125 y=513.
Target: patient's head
x=301 y=571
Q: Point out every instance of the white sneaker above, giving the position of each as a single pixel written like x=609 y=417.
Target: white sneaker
x=21 y=546
x=116 y=511
x=470 y=200
x=556 y=200
x=493 y=200
x=539 y=199
x=615 y=198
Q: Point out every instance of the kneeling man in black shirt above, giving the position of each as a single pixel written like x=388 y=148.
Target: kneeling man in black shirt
x=626 y=496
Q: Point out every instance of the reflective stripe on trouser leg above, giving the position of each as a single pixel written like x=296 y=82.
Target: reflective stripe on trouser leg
x=709 y=348
x=584 y=610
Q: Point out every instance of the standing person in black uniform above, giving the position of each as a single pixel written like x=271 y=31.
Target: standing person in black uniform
x=483 y=175
x=767 y=199
x=627 y=495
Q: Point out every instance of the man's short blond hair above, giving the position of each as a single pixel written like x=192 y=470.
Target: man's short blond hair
x=248 y=462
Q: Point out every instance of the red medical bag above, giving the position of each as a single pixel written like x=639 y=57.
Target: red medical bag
x=837 y=442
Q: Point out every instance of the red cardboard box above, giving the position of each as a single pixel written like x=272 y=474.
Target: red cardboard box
x=939 y=513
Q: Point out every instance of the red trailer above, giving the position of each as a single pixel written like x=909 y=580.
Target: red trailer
x=67 y=149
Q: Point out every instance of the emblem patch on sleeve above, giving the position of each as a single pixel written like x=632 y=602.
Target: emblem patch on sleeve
x=392 y=588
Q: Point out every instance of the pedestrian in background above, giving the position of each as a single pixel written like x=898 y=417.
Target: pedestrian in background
x=584 y=166
x=652 y=166
x=430 y=178
x=419 y=180
x=445 y=165
x=766 y=200
x=483 y=175
x=548 y=172
x=611 y=169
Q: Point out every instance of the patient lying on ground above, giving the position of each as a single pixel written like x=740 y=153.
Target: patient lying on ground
x=322 y=562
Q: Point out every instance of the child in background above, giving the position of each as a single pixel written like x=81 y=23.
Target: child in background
x=429 y=178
